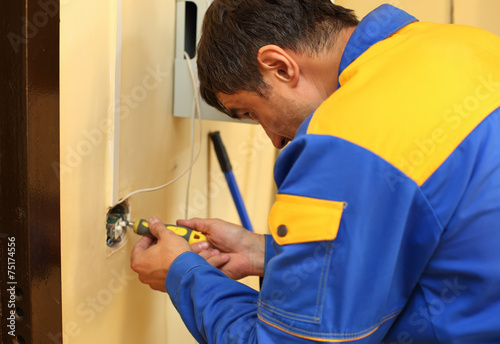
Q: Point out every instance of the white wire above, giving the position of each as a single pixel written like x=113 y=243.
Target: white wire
x=193 y=161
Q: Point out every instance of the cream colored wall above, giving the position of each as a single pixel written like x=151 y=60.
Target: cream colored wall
x=438 y=11
x=103 y=302
x=480 y=13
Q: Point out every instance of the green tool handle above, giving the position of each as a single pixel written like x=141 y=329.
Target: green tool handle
x=141 y=227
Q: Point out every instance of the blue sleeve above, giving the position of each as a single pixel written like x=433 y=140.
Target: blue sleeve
x=214 y=308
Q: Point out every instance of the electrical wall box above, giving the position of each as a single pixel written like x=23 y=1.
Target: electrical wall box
x=189 y=20
x=116 y=225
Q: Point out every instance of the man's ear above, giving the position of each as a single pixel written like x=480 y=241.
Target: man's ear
x=276 y=62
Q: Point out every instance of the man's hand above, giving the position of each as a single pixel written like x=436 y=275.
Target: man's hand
x=152 y=258
x=234 y=250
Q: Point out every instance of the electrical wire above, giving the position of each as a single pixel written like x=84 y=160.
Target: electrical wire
x=192 y=160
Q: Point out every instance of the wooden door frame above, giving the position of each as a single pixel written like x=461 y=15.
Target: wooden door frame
x=29 y=187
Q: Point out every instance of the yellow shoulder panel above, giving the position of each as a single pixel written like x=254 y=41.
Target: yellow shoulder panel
x=414 y=97
x=296 y=219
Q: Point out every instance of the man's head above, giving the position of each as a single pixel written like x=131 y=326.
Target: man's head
x=260 y=51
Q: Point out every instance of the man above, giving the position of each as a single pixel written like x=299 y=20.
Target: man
x=386 y=225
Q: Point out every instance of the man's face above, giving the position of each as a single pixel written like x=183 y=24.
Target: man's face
x=280 y=113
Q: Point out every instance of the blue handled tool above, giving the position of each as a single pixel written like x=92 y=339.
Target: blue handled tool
x=227 y=169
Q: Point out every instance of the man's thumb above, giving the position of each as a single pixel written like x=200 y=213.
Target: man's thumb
x=156 y=226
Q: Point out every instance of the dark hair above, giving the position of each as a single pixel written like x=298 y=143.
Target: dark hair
x=234 y=30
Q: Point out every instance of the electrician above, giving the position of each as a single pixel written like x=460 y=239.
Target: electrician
x=386 y=224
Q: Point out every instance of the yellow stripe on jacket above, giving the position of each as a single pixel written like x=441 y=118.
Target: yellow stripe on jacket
x=416 y=103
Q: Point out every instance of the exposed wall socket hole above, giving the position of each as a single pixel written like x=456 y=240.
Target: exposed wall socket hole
x=116 y=224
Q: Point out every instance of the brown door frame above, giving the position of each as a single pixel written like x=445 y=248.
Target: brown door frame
x=29 y=187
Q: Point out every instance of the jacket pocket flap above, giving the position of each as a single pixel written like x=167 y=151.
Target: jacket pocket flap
x=296 y=219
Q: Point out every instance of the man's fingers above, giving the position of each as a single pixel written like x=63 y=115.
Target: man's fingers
x=200 y=225
x=218 y=260
x=207 y=254
x=143 y=244
x=214 y=257
x=200 y=246
x=194 y=223
x=156 y=227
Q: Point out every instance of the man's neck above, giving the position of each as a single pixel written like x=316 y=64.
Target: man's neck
x=328 y=67
x=323 y=69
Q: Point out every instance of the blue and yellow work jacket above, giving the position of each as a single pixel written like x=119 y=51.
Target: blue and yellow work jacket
x=386 y=226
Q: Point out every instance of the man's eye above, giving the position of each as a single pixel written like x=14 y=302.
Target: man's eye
x=247 y=116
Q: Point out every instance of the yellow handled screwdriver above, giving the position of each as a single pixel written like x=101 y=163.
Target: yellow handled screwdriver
x=141 y=227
